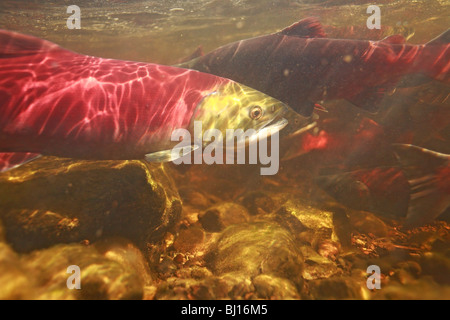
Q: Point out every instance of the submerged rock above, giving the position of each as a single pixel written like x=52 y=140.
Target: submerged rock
x=188 y=239
x=100 y=277
x=317 y=266
x=110 y=270
x=311 y=217
x=126 y=254
x=209 y=288
x=258 y=202
x=15 y=282
x=337 y=288
x=257 y=248
x=53 y=200
x=366 y=222
x=220 y=216
x=312 y=225
x=420 y=289
x=270 y=287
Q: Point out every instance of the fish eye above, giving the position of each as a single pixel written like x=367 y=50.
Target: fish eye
x=256 y=112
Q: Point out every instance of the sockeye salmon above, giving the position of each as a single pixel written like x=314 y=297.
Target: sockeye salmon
x=57 y=102
x=418 y=189
x=301 y=67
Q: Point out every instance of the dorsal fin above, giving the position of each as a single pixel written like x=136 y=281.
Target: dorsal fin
x=395 y=39
x=13 y=44
x=305 y=28
x=196 y=54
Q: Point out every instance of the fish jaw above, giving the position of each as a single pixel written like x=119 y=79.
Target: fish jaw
x=267 y=130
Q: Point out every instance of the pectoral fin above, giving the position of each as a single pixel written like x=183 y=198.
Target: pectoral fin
x=196 y=54
x=171 y=154
x=10 y=160
x=306 y=28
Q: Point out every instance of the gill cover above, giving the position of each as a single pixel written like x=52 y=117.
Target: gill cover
x=235 y=106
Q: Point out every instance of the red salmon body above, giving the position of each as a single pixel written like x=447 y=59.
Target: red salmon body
x=57 y=102
x=301 y=67
x=103 y=108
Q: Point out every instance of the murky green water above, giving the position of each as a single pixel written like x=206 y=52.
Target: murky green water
x=164 y=31
x=226 y=232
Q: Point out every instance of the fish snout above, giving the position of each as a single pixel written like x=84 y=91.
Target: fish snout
x=299 y=124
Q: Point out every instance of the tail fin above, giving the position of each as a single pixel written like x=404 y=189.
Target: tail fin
x=13 y=44
x=438 y=53
x=428 y=174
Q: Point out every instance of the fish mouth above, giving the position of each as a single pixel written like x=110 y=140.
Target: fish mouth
x=303 y=129
x=271 y=127
x=275 y=124
x=299 y=124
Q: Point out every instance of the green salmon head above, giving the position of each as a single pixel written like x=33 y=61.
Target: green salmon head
x=235 y=106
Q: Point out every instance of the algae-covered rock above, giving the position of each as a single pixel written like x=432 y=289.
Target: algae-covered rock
x=437 y=266
x=366 y=222
x=337 y=288
x=188 y=239
x=317 y=266
x=311 y=224
x=126 y=254
x=220 y=216
x=310 y=217
x=53 y=200
x=15 y=282
x=231 y=285
x=109 y=270
x=420 y=289
x=257 y=248
x=258 y=202
x=102 y=275
x=276 y=288
x=209 y=288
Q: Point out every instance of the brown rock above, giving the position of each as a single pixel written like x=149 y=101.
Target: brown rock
x=275 y=288
x=337 y=288
x=219 y=217
x=317 y=266
x=101 y=278
x=194 y=198
x=53 y=200
x=310 y=217
x=16 y=282
x=258 y=203
x=117 y=272
x=126 y=254
x=368 y=223
x=257 y=248
x=188 y=239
